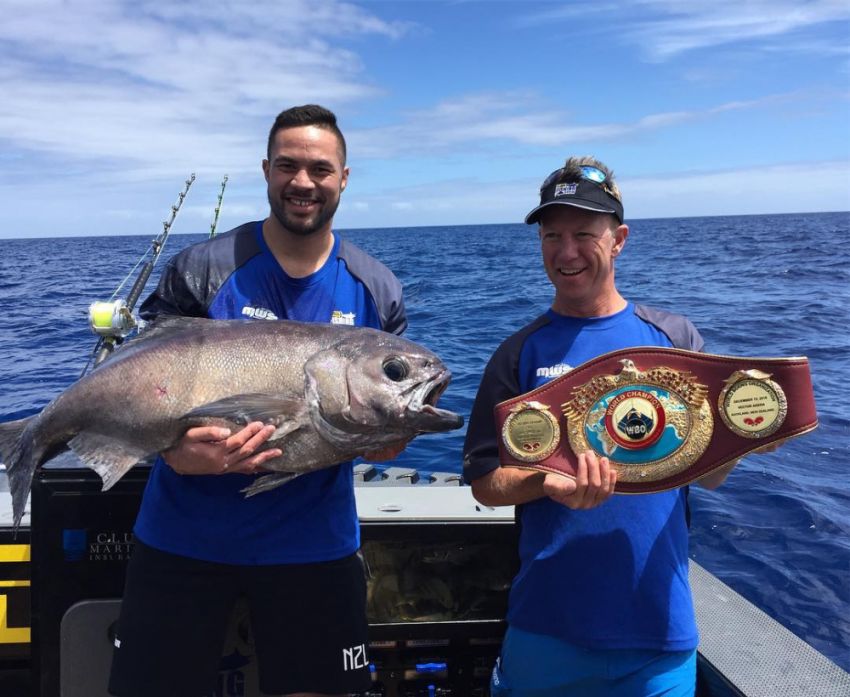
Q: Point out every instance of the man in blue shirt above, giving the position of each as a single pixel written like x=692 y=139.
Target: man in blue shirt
x=292 y=551
x=601 y=604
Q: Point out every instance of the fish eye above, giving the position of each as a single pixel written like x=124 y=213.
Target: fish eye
x=395 y=369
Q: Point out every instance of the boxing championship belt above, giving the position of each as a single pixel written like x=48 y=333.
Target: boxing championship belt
x=663 y=417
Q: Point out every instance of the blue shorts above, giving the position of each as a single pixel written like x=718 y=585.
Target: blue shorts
x=535 y=665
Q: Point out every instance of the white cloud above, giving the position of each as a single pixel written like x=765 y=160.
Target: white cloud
x=476 y=121
x=782 y=188
x=692 y=26
x=444 y=202
x=666 y=28
x=109 y=104
x=150 y=84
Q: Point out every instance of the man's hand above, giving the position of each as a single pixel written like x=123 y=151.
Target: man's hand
x=213 y=450
x=593 y=484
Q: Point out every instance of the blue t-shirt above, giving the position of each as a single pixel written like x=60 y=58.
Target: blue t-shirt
x=615 y=576
x=311 y=518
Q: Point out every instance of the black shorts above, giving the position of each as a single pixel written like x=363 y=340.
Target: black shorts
x=308 y=623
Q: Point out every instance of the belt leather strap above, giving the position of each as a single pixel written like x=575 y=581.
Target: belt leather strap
x=664 y=417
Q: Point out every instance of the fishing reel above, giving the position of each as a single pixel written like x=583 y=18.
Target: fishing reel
x=111 y=319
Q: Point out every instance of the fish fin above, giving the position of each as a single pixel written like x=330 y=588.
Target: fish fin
x=268 y=482
x=284 y=429
x=162 y=325
x=110 y=458
x=169 y=324
x=335 y=436
x=21 y=458
x=286 y=412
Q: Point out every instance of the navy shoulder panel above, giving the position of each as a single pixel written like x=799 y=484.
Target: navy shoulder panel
x=678 y=328
x=192 y=277
x=499 y=382
x=380 y=282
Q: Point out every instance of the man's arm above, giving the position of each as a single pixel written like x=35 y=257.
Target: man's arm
x=714 y=479
x=381 y=283
x=593 y=484
x=396 y=321
x=494 y=485
x=173 y=295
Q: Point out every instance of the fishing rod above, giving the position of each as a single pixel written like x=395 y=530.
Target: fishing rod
x=218 y=207
x=113 y=320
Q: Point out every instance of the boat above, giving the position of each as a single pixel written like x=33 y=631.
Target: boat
x=439 y=567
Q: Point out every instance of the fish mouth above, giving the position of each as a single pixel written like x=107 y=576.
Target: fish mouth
x=423 y=409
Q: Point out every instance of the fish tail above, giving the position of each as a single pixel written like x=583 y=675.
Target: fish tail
x=21 y=459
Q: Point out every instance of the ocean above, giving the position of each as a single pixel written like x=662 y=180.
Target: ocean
x=778 y=531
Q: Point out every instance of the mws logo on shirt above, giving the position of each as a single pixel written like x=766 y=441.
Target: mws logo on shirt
x=258 y=312
x=554 y=371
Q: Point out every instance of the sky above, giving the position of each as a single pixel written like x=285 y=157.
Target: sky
x=454 y=111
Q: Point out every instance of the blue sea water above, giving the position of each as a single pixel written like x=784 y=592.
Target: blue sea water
x=778 y=531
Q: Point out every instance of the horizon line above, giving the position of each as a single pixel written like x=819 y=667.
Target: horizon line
x=420 y=227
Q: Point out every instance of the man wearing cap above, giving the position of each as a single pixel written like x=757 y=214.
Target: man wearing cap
x=601 y=604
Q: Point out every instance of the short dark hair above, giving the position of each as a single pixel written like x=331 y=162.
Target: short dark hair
x=307 y=115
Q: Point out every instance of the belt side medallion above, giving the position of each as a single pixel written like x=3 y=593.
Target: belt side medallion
x=751 y=404
x=650 y=424
x=531 y=432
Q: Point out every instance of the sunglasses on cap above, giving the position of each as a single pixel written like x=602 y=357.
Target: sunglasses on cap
x=588 y=172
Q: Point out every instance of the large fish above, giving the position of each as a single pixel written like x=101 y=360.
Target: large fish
x=333 y=392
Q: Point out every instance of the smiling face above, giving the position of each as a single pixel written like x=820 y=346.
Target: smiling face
x=305 y=174
x=578 y=250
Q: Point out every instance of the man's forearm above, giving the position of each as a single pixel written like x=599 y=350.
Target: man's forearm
x=714 y=479
x=508 y=486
